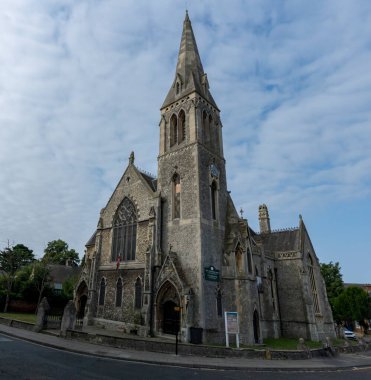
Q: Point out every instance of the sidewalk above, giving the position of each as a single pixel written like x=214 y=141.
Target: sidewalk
x=342 y=361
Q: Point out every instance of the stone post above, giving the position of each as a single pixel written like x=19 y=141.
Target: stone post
x=41 y=315
x=69 y=318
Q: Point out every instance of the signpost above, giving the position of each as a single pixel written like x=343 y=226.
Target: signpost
x=211 y=274
x=232 y=326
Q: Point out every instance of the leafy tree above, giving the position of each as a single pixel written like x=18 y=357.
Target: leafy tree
x=57 y=252
x=11 y=260
x=353 y=304
x=333 y=280
x=69 y=285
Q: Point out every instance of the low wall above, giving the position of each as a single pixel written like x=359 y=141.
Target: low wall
x=151 y=344
x=16 y=323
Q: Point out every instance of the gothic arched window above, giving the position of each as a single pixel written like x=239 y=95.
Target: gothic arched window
x=239 y=259
x=119 y=292
x=249 y=260
x=173 y=130
x=176 y=196
x=138 y=294
x=313 y=285
x=211 y=131
x=214 y=200
x=270 y=277
x=181 y=127
x=124 y=232
x=219 y=306
x=102 y=291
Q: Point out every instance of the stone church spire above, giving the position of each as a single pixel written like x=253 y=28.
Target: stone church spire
x=189 y=75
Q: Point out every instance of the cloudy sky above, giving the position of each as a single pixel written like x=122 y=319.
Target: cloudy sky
x=81 y=83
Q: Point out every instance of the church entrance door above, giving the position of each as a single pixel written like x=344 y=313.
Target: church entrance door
x=168 y=314
x=171 y=318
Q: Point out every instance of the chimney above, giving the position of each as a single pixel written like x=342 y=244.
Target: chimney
x=264 y=222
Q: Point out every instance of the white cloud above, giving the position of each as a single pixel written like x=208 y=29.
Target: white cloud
x=81 y=84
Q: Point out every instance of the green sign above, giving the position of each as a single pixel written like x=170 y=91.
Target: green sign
x=211 y=274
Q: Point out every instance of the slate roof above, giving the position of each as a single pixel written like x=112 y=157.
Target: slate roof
x=280 y=241
x=91 y=241
x=59 y=273
x=152 y=182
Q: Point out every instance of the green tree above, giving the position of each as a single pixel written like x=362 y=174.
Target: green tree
x=68 y=286
x=11 y=260
x=333 y=280
x=353 y=304
x=58 y=252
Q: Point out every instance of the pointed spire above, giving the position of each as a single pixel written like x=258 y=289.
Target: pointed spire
x=189 y=75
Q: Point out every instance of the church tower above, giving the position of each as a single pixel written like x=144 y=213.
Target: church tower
x=192 y=181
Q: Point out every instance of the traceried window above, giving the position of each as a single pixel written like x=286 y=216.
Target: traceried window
x=313 y=285
x=124 y=232
x=102 y=291
x=138 y=294
x=119 y=292
x=214 y=200
x=173 y=130
x=176 y=196
x=181 y=127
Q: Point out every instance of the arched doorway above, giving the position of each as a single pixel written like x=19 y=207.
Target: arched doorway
x=168 y=313
x=81 y=299
x=171 y=318
x=256 y=326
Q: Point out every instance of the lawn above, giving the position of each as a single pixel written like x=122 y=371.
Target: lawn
x=289 y=344
x=25 y=317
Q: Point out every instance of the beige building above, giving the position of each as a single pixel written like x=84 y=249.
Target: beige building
x=171 y=253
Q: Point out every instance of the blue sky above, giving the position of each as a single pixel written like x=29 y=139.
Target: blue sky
x=81 y=84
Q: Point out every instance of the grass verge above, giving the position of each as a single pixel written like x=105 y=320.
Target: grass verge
x=25 y=317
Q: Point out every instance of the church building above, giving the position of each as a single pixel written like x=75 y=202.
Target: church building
x=171 y=254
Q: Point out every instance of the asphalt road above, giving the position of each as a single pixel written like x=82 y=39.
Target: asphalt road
x=23 y=360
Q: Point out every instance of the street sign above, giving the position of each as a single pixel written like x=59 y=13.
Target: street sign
x=211 y=274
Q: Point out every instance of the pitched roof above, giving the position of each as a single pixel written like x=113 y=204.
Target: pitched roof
x=91 y=241
x=152 y=182
x=281 y=241
x=189 y=71
x=59 y=273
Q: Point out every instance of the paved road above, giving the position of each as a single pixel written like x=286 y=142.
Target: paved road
x=23 y=360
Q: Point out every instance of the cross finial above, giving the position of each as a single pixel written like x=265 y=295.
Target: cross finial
x=241 y=212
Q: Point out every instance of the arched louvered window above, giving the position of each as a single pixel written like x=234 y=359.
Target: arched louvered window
x=214 y=200
x=181 y=127
x=124 y=232
x=138 y=294
x=205 y=128
x=211 y=131
x=119 y=292
x=173 y=130
x=313 y=285
x=102 y=291
x=217 y=139
x=176 y=196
